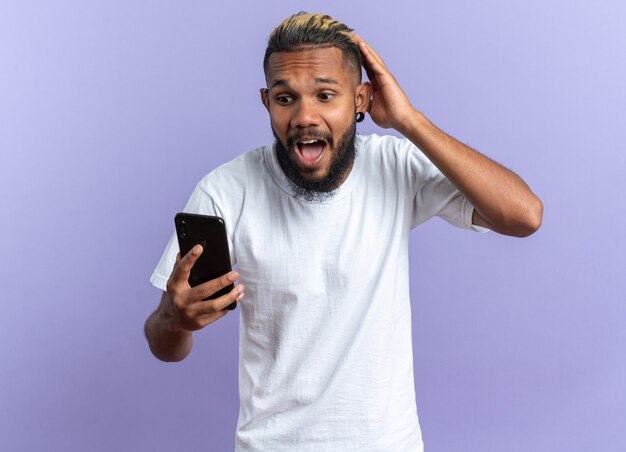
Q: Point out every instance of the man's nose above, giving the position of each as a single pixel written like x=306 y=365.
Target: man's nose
x=305 y=115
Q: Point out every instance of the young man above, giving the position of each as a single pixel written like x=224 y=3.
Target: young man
x=319 y=224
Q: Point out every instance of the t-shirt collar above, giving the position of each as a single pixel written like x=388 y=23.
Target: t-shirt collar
x=285 y=184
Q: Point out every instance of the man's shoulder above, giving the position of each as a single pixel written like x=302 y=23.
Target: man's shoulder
x=227 y=186
x=250 y=164
x=386 y=151
x=376 y=145
x=243 y=162
x=375 y=140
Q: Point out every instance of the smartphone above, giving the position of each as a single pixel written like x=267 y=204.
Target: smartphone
x=210 y=232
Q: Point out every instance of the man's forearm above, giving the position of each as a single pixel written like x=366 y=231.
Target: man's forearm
x=499 y=195
x=165 y=344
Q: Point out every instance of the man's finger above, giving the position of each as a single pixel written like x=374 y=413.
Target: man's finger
x=372 y=62
x=180 y=274
x=210 y=318
x=204 y=290
x=357 y=39
x=202 y=308
x=371 y=74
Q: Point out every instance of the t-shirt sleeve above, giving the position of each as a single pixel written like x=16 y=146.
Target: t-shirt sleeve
x=435 y=195
x=201 y=203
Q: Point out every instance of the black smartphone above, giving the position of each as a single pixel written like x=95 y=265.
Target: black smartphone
x=210 y=232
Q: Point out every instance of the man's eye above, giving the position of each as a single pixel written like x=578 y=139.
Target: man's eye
x=284 y=99
x=326 y=96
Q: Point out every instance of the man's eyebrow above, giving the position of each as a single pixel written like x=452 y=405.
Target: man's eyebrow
x=279 y=83
x=326 y=80
x=318 y=80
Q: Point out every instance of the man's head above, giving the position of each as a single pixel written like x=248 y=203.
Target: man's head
x=305 y=30
x=313 y=74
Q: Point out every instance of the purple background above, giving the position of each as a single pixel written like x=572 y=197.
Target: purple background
x=111 y=111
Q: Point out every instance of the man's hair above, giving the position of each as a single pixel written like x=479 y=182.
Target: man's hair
x=304 y=30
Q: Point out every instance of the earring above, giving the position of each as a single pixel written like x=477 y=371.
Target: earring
x=360 y=116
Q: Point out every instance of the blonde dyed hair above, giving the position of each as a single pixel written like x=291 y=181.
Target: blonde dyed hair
x=305 y=30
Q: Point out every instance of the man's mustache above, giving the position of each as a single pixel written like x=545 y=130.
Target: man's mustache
x=310 y=134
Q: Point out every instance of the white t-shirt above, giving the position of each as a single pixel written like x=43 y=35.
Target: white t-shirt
x=325 y=360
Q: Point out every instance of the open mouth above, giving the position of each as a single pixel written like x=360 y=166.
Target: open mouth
x=310 y=151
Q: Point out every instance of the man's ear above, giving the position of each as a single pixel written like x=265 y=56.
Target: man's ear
x=265 y=98
x=363 y=97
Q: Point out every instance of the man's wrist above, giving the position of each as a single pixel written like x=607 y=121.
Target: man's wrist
x=411 y=124
x=167 y=343
x=168 y=320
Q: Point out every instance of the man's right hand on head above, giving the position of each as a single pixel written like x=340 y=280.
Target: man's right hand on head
x=185 y=309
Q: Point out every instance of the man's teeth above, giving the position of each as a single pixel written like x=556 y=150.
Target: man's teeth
x=309 y=141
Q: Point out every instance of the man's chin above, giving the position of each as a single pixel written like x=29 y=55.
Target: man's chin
x=310 y=184
x=312 y=175
x=316 y=181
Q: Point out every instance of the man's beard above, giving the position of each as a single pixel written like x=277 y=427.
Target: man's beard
x=319 y=189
